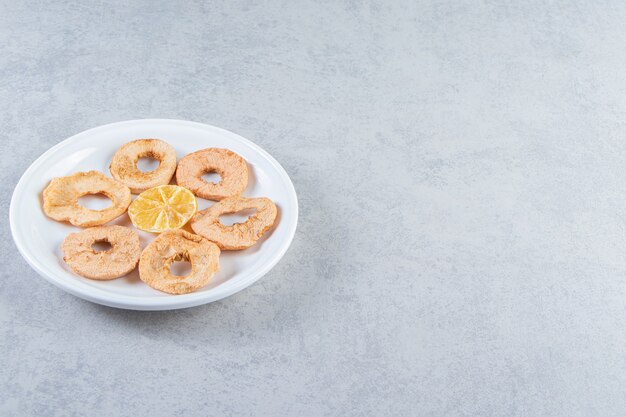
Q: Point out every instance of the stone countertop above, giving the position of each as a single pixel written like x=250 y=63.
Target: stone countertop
x=460 y=173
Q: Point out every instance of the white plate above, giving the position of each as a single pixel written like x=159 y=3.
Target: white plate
x=39 y=238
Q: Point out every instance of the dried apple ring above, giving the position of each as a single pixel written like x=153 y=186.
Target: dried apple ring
x=231 y=167
x=60 y=198
x=118 y=261
x=124 y=164
x=178 y=245
x=207 y=223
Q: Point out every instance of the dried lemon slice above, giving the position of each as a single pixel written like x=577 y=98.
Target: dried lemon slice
x=162 y=208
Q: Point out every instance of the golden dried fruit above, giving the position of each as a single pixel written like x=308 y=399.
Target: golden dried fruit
x=207 y=223
x=163 y=208
x=231 y=167
x=124 y=164
x=60 y=198
x=118 y=261
x=174 y=246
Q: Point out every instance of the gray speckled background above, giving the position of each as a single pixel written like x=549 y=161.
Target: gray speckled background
x=460 y=167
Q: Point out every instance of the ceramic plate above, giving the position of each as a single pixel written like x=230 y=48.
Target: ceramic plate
x=39 y=238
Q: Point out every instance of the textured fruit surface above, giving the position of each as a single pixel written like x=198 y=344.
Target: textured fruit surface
x=163 y=208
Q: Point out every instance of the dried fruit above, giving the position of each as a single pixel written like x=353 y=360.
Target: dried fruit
x=60 y=198
x=173 y=246
x=231 y=167
x=163 y=208
x=240 y=235
x=124 y=164
x=118 y=261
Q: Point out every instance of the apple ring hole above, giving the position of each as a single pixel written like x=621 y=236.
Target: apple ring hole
x=97 y=201
x=180 y=266
x=101 y=246
x=148 y=163
x=211 y=177
x=241 y=216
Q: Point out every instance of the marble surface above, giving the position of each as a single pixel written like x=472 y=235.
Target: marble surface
x=460 y=169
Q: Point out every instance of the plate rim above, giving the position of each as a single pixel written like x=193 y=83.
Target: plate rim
x=99 y=296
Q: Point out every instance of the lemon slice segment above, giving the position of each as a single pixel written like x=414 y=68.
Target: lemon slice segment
x=162 y=208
